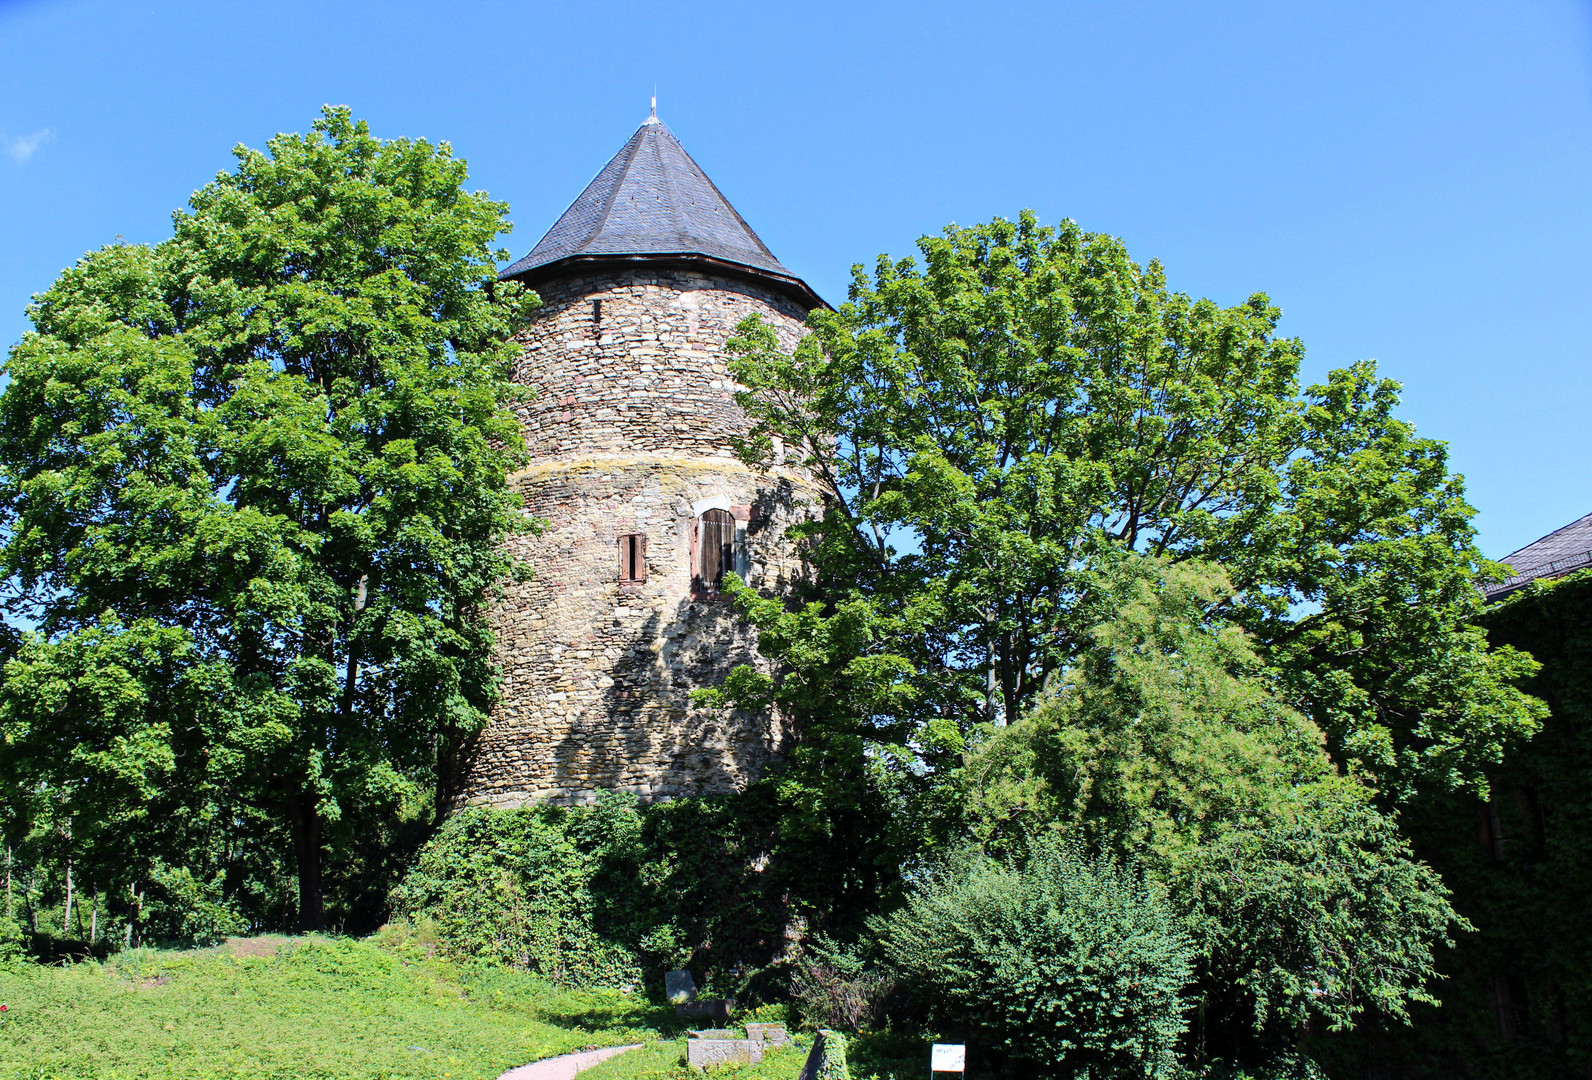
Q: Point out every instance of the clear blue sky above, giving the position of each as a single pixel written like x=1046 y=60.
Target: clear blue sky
x=1408 y=181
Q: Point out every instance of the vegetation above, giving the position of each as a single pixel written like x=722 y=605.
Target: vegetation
x=306 y=1007
x=1168 y=746
x=1002 y=422
x=1126 y=671
x=252 y=488
x=611 y=894
x=1067 y=966
x=1516 y=992
x=1098 y=565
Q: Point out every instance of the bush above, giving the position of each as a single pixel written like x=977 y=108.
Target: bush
x=1170 y=742
x=836 y=987
x=1073 y=967
x=511 y=887
x=12 y=941
x=182 y=906
x=1308 y=919
x=608 y=894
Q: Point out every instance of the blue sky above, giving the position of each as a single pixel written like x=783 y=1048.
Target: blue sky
x=1408 y=181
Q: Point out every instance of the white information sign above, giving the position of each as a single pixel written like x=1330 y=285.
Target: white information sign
x=948 y=1058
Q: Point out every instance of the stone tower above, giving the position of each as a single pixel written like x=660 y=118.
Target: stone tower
x=642 y=280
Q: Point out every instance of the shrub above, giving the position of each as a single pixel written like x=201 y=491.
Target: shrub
x=1067 y=965
x=1170 y=741
x=835 y=986
x=12 y=948
x=512 y=887
x=182 y=906
x=606 y=894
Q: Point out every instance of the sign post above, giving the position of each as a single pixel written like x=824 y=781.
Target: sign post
x=947 y=1057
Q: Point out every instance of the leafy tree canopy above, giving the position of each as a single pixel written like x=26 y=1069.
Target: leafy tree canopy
x=252 y=484
x=1000 y=419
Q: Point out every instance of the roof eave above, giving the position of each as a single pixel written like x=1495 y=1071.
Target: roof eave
x=789 y=285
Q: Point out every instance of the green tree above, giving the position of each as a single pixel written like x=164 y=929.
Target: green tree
x=1167 y=744
x=997 y=420
x=285 y=435
x=95 y=739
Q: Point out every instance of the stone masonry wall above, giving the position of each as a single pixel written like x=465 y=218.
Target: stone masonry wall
x=632 y=362
x=629 y=434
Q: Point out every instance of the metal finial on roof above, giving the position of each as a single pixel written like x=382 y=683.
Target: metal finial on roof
x=652 y=117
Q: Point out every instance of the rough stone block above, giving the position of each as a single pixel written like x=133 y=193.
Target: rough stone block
x=703 y=1053
x=768 y=1034
x=679 y=987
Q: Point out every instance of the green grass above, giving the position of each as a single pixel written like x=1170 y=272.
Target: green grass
x=318 y=1008
x=314 y=1008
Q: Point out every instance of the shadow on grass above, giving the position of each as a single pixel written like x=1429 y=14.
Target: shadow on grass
x=597 y=1011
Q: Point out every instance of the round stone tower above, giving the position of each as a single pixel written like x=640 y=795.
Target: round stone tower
x=645 y=504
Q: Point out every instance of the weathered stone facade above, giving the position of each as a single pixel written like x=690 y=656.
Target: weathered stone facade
x=629 y=433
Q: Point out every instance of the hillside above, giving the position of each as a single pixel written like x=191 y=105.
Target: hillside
x=312 y=1007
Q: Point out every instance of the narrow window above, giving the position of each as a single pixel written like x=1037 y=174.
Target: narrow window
x=633 y=557
x=716 y=550
x=596 y=314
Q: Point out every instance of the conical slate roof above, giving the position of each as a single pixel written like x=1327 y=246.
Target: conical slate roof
x=1561 y=552
x=652 y=202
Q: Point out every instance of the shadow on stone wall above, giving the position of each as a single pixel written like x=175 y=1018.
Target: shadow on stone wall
x=644 y=736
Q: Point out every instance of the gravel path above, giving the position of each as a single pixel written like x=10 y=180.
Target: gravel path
x=565 y=1066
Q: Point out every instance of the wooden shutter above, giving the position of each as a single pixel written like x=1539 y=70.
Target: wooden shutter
x=716 y=547
x=633 y=557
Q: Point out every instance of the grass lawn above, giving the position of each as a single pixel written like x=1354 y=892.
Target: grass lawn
x=308 y=1008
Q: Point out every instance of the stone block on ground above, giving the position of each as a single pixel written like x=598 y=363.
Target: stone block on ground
x=704 y=1053
x=815 y=1059
x=768 y=1034
x=679 y=987
x=827 y=1061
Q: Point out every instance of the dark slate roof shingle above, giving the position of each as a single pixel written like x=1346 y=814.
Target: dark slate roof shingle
x=653 y=200
x=1560 y=552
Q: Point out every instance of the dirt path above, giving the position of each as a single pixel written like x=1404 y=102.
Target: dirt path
x=565 y=1066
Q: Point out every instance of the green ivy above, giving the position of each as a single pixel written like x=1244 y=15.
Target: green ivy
x=1518 y=995
x=609 y=894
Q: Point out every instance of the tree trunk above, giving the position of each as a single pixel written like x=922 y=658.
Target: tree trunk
x=66 y=914
x=10 y=911
x=989 y=682
x=93 y=920
x=135 y=916
x=307 y=853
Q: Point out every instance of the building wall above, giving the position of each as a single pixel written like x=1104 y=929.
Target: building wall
x=629 y=432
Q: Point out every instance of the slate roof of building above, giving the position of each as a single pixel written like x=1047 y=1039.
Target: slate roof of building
x=1561 y=552
x=652 y=200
